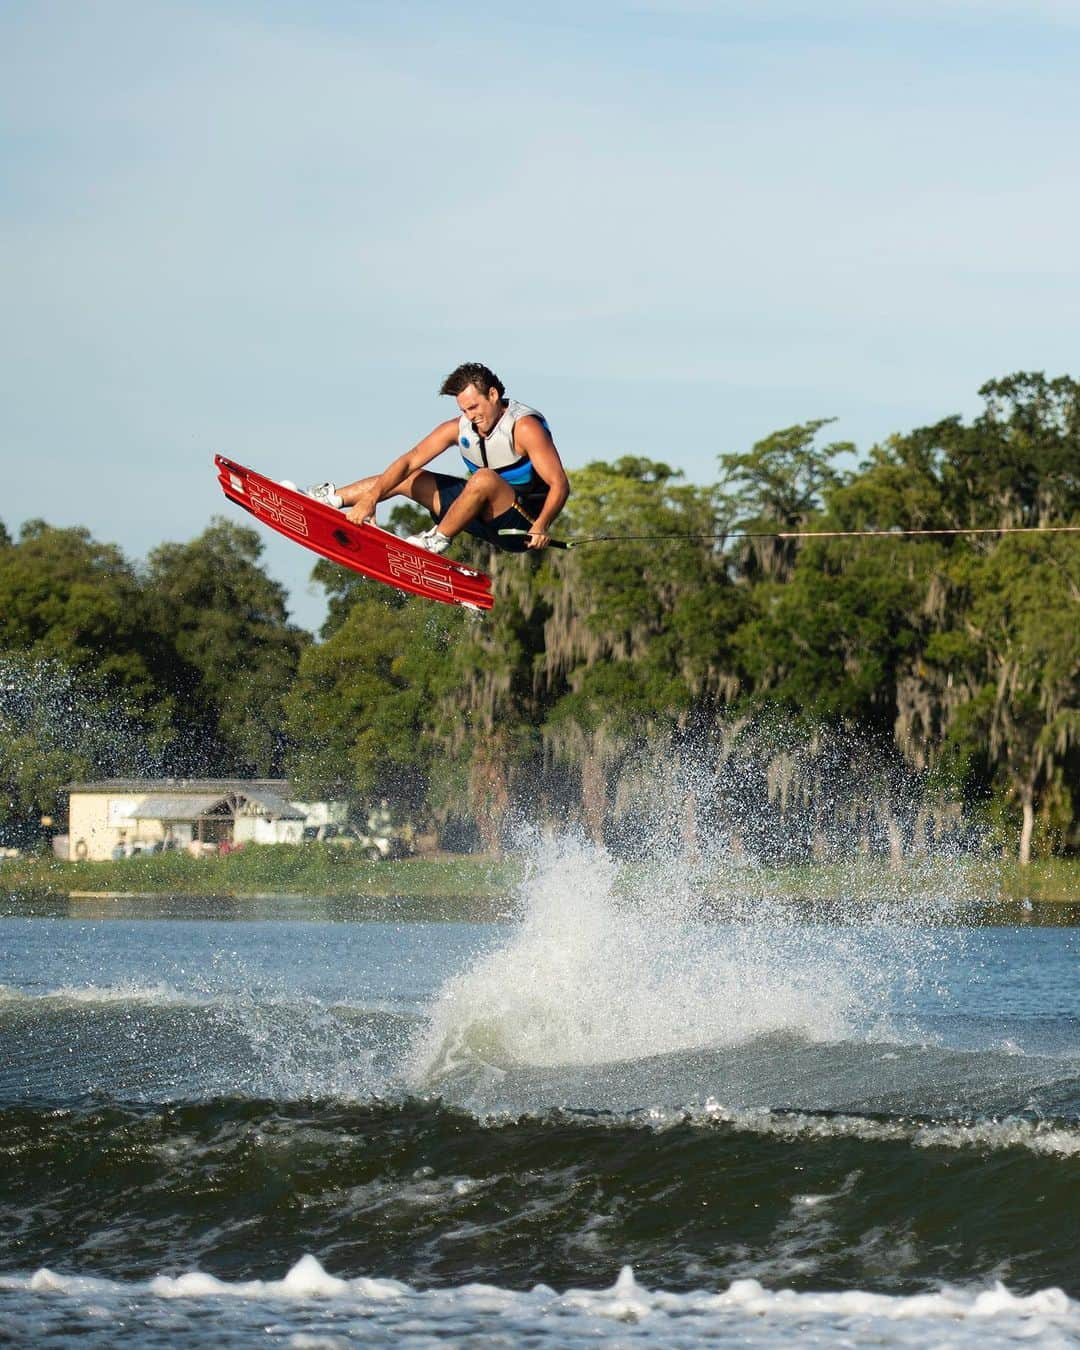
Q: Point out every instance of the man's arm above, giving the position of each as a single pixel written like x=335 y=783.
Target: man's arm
x=532 y=438
x=363 y=496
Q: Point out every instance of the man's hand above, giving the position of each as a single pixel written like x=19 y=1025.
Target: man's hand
x=362 y=511
x=537 y=540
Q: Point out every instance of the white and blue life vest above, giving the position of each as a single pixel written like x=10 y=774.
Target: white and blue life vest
x=496 y=450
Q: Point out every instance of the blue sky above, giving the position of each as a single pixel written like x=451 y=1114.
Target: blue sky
x=271 y=228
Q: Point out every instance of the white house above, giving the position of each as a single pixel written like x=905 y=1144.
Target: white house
x=175 y=812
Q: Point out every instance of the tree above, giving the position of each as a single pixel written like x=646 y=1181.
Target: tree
x=1019 y=462
x=489 y=703
x=613 y=710
x=639 y=629
x=56 y=725
x=1015 y=655
x=82 y=674
x=827 y=644
x=988 y=691
x=235 y=651
x=477 y=719
x=358 y=714
x=776 y=486
x=67 y=599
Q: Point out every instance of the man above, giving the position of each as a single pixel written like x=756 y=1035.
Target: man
x=516 y=480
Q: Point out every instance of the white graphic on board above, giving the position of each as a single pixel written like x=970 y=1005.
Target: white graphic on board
x=417 y=571
x=278 y=508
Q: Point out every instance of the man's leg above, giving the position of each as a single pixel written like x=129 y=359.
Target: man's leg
x=420 y=486
x=485 y=494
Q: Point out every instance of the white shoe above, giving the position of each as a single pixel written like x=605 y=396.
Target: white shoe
x=326 y=493
x=431 y=540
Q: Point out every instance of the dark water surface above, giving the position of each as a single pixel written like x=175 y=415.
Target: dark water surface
x=321 y=1124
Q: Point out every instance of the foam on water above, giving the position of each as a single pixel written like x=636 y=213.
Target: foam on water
x=1041 y=1137
x=604 y=969
x=315 y=1307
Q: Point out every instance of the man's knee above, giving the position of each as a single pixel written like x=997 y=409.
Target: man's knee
x=485 y=482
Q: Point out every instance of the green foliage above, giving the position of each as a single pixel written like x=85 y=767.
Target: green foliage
x=407 y=518
x=67 y=599
x=56 y=725
x=776 y=486
x=780 y=481
x=826 y=645
x=357 y=712
x=83 y=676
x=1018 y=652
x=235 y=652
x=1017 y=464
x=621 y=699
x=623 y=594
x=898 y=486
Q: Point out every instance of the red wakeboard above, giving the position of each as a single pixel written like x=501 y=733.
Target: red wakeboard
x=365 y=549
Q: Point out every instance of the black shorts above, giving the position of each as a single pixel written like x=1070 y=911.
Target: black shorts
x=520 y=516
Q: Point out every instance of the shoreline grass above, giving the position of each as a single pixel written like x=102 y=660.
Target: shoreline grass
x=321 y=870
x=282 y=869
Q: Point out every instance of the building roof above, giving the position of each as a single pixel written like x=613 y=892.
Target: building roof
x=183 y=786
x=187 y=807
x=193 y=806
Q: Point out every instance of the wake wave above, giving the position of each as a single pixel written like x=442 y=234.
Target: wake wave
x=418 y=1192
x=159 y=994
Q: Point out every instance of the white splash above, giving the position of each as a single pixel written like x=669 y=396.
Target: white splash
x=603 y=970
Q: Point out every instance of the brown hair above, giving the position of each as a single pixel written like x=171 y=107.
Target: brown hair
x=471 y=372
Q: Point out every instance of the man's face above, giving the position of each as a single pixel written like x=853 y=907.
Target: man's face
x=482 y=410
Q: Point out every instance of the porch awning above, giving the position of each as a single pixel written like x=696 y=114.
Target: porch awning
x=179 y=808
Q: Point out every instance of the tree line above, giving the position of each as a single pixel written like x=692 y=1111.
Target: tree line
x=693 y=677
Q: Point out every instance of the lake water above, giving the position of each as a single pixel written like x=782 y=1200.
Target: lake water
x=595 y=1117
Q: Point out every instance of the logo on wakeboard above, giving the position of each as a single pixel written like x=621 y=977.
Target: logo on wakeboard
x=416 y=570
x=278 y=509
